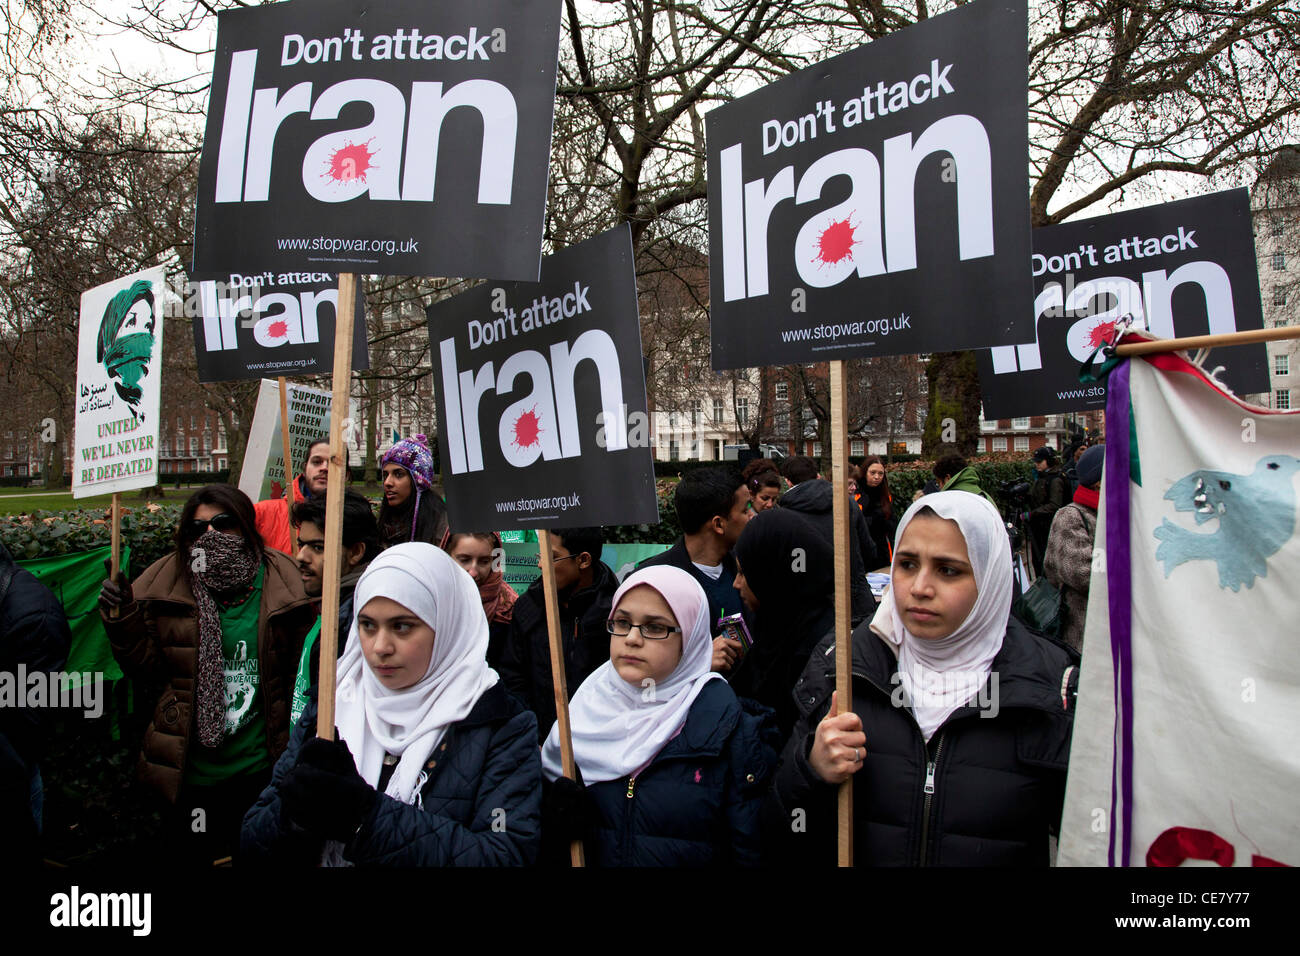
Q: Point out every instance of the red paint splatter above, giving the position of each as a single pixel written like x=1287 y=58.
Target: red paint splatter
x=350 y=162
x=836 y=243
x=1101 y=333
x=528 y=428
x=1177 y=844
x=277 y=330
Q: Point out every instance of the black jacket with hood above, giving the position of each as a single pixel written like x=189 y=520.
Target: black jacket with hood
x=985 y=791
x=814 y=499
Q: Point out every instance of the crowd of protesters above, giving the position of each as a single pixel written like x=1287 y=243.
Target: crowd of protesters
x=704 y=725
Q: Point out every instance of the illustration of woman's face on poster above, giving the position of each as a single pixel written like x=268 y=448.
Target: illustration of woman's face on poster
x=126 y=340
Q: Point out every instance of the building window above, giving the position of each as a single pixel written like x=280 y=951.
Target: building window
x=782 y=423
x=857 y=447
x=742 y=412
x=1022 y=443
x=999 y=442
x=921 y=413
x=1279 y=261
x=1276 y=223
x=782 y=391
x=717 y=411
x=1282 y=364
x=672 y=449
x=1020 y=423
x=672 y=421
x=1279 y=295
x=193 y=421
x=817 y=449
x=1282 y=399
x=194 y=446
x=695 y=448
x=696 y=406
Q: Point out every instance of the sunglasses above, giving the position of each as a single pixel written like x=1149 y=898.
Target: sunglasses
x=221 y=522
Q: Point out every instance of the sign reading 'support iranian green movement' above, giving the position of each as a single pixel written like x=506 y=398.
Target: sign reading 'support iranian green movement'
x=119 y=367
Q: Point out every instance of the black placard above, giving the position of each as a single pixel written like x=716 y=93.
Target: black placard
x=395 y=138
x=271 y=324
x=1181 y=268
x=876 y=203
x=542 y=416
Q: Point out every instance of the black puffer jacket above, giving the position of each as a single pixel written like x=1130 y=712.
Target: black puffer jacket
x=480 y=806
x=698 y=802
x=814 y=499
x=525 y=666
x=996 y=777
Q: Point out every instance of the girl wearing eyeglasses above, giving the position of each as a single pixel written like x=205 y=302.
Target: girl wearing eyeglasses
x=672 y=766
x=219 y=624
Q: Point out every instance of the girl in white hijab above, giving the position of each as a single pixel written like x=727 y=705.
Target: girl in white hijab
x=661 y=742
x=413 y=670
x=957 y=736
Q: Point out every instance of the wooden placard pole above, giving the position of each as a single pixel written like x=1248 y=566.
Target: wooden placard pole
x=289 y=479
x=843 y=588
x=558 y=681
x=115 y=545
x=336 y=483
x=1210 y=341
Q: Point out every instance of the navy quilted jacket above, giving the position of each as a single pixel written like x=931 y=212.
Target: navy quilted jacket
x=698 y=802
x=481 y=802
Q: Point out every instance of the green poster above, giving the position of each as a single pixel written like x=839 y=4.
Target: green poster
x=75 y=580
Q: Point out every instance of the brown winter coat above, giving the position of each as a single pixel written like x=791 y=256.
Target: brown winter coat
x=1068 y=565
x=157 y=637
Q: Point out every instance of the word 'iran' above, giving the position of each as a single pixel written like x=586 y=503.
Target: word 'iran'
x=342 y=165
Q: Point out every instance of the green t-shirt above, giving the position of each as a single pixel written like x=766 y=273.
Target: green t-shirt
x=302 y=682
x=243 y=749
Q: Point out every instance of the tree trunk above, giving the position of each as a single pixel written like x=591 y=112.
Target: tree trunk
x=954 y=404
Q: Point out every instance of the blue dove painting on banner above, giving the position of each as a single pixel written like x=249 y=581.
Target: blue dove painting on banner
x=1189 y=697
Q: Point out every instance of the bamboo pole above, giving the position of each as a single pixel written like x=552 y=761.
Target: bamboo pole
x=558 y=680
x=843 y=589
x=288 y=461
x=1210 y=341
x=115 y=548
x=336 y=482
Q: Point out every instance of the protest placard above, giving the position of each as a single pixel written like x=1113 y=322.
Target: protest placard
x=1177 y=269
x=541 y=396
x=876 y=203
x=393 y=138
x=271 y=324
x=262 y=476
x=119 y=368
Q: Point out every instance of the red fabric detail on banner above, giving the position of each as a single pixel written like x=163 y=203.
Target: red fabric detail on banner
x=1257 y=860
x=1177 y=844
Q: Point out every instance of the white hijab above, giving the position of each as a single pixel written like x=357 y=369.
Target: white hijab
x=408 y=723
x=939 y=676
x=617 y=727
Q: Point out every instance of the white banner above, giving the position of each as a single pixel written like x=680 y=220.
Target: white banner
x=1205 y=769
x=119 y=368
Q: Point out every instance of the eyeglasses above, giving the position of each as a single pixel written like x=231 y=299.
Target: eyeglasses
x=650 y=630
x=221 y=522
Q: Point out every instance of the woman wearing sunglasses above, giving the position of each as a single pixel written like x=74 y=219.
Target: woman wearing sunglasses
x=674 y=764
x=219 y=625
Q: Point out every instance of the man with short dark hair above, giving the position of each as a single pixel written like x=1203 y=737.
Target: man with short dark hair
x=273 y=515
x=585 y=587
x=713 y=508
x=799 y=468
x=360 y=545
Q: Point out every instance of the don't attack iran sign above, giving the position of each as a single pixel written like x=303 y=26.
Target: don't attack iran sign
x=394 y=138
x=541 y=396
x=876 y=203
